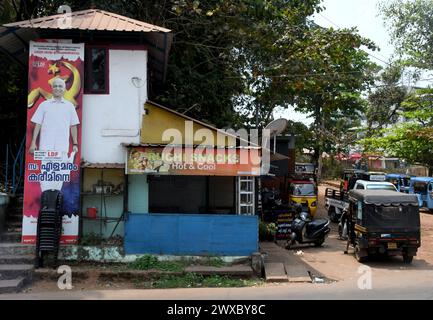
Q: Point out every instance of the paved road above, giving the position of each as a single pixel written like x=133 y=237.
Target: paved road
x=421 y=289
x=390 y=278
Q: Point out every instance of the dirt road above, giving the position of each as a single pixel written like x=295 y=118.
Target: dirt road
x=332 y=262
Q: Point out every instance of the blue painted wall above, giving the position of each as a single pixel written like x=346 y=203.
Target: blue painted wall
x=191 y=234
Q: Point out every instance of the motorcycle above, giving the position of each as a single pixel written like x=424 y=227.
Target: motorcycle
x=272 y=205
x=306 y=230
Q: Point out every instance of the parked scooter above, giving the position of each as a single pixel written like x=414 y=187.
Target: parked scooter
x=272 y=205
x=306 y=230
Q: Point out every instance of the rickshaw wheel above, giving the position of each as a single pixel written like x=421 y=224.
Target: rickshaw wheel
x=407 y=258
x=332 y=214
x=357 y=256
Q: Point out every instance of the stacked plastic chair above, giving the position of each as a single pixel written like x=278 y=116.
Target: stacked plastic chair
x=49 y=226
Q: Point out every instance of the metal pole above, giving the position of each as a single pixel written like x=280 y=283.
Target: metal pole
x=7 y=165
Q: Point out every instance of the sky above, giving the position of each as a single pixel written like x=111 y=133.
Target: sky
x=362 y=14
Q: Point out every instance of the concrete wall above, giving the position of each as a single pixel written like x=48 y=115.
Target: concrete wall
x=138 y=193
x=188 y=234
x=157 y=120
x=110 y=119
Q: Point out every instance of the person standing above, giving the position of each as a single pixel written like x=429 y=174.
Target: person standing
x=56 y=121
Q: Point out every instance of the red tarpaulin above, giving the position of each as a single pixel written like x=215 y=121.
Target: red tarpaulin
x=355 y=156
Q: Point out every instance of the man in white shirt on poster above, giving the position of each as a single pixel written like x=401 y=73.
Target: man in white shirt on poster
x=55 y=122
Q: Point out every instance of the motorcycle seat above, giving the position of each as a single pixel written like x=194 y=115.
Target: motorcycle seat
x=316 y=225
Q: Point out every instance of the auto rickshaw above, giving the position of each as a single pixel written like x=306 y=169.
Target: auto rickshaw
x=304 y=192
x=348 y=178
x=422 y=187
x=401 y=181
x=383 y=222
x=373 y=176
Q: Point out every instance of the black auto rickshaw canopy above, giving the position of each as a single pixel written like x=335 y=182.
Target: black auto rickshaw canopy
x=385 y=210
x=384 y=197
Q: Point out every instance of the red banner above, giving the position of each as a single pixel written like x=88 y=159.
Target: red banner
x=53 y=148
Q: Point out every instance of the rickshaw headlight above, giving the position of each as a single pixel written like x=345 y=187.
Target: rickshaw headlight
x=314 y=203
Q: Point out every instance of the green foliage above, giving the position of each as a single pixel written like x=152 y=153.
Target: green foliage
x=147 y=262
x=411 y=30
x=332 y=168
x=213 y=262
x=385 y=102
x=304 y=136
x=232 y=62
x=235 y=60
x=332 y=95
x=410 y=139
x=267 y=231
x=193 y=280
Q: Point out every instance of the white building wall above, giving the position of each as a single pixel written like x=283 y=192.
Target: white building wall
x=111 y=119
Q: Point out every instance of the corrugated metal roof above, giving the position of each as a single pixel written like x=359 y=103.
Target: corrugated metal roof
x=15 y=37
x=14 y=43
x=89 y=165
x=160 y=145
x=92 y=19
x=273 y=156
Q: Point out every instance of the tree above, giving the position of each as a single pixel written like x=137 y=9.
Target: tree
x=22 y=9
x=411 y=30
x=304 y=136
x=339 y=72
x=385 y=102
x=410 y=139
x=219 y=49
x=13 y=93
x=233 y=62
x=412 y=35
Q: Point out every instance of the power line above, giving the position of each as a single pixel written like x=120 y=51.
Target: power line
x=329 y=20
x=304 y=75
x=373 y=56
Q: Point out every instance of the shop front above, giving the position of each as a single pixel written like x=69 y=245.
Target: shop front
x=191 y=201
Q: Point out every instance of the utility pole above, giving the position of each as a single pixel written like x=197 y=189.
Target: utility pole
x=320 y=160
